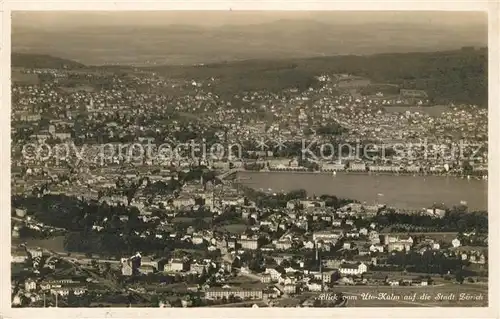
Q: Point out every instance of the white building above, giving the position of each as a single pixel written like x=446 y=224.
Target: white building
x=175 y=265
x=36 y=252
x=353 y=269
x=275 y=275
x=377 y=248
x=314 y=286
x=249 y=244
x=30 y=285
x=327 y=235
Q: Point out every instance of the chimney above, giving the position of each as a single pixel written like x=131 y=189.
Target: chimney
x=316 y=247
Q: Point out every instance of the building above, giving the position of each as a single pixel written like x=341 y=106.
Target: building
x=436 y=212
x=357 y=167
x=374 y=237
x=249 y=243
x=176 y=265
x=421 y=282
x=327 y=276
x=63 y=136
x=183 y=202
x=332 y=263
x=283 y=244
x=232 y=201
x=332 y=235
x=265 y=278
x=384 y=168
x=332 y=167
x=363 y=250
x=197 y=268
x=77 y=289
x=28 y=117
x=377 y=248
x=406 y=93
x=290 y=289
x=275 y=275
x=157 y=264
x=241 y=292
x=146 y=269
x=312 y=203
x=30 y=285
x=393 y=282
x=35 y=252
x=18 y=255
x=397 y=243
x=197 y=240
x=314 y=286
x=353 y=269
x=127 y=268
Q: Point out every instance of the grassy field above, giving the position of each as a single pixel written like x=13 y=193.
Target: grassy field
x=54 y=243
x=235 y=228
x=182 y=220
x=19 y=77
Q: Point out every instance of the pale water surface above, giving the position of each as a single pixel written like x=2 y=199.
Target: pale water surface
x=413 y=192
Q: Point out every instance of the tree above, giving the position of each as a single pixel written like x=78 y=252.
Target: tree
x=285 y=263
x=467 y=168
x=236 y=263
x=459 y=277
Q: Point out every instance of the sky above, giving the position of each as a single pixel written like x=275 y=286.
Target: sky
x=218 y=18
x=136 y=37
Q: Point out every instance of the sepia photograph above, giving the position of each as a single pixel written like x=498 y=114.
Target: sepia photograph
x=249 y=159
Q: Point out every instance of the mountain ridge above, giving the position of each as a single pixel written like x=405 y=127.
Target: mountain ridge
x=190 y=44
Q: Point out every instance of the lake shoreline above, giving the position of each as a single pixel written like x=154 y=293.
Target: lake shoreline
x=404 y=191
x=363 y=174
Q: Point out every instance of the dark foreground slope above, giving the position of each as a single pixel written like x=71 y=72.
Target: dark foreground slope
x=27 y=60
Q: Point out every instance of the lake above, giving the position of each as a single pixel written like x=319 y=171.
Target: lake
x=402 y=191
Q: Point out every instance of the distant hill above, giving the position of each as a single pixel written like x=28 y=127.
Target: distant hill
x=282 y=39
x=460 y=75
x=450 y=76
x=26 y=60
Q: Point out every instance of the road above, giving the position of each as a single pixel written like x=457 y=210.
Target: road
x=105 y=281
x=260 y=303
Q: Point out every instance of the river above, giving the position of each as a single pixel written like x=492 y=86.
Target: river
x=402 y=191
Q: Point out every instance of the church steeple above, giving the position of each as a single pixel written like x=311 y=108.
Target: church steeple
x=91 y=104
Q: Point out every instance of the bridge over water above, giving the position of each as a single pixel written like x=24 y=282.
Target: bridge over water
x=228 y=173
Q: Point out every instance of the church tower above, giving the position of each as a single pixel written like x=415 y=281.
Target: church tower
x=91 y=104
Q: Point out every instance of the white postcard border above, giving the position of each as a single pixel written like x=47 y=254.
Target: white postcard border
x=492 y=7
